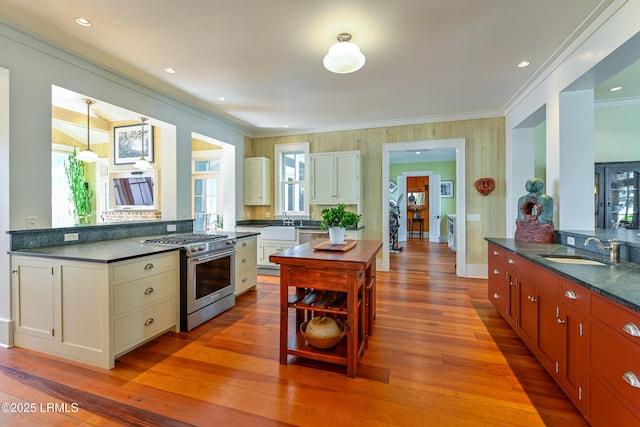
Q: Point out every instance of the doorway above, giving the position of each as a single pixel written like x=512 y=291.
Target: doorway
x=455 y=144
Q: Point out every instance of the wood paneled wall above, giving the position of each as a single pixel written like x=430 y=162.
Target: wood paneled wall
x=485 y=157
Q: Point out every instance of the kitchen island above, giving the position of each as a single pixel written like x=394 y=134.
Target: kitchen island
x=352 y=272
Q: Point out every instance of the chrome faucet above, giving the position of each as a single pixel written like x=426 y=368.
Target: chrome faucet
x=613 y=248
x=287 y=220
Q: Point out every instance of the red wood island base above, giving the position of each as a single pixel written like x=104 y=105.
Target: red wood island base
x=351 y=272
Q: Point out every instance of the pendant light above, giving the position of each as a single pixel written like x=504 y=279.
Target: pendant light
x=142 y=163
x=88 y=156
x=344 y=57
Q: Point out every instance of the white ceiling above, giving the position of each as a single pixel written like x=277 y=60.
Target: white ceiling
x=426 y=59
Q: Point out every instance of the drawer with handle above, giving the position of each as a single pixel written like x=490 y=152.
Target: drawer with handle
x=137 y=294
x=139 y=268
x=144 y=324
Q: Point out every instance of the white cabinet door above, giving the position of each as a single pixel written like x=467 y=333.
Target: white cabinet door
x=257 y=181
x=33 y=301
x=348 y=177
x=323 y=181
x=335 y=178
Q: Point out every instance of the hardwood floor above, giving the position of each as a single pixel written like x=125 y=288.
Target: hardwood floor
x=440 y=355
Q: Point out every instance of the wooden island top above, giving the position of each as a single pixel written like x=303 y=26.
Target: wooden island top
x=353 y=272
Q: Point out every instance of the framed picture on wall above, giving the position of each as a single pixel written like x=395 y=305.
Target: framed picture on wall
x=392 y=186
x=129 y=146
x=446 y=189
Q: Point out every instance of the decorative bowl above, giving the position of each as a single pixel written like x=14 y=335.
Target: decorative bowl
x=323 y=332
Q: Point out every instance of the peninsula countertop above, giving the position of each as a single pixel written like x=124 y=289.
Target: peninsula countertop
x=107 y=251
x=619 y=282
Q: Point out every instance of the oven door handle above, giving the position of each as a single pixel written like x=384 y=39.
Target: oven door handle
x=214 y=256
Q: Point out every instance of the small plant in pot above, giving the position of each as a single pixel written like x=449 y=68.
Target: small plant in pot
x=336 y=220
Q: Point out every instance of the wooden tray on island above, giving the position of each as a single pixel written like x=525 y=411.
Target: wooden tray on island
x=328 y=246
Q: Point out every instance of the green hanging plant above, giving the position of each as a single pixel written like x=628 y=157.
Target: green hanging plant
x=81 y=195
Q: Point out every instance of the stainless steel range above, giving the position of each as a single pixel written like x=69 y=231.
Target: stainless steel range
x=207 y=283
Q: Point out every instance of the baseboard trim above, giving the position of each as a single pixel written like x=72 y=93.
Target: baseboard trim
x=476 y=271
x=6 y=333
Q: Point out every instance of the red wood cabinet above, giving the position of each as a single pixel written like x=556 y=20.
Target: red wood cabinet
x=588 y=343
x=615 y=362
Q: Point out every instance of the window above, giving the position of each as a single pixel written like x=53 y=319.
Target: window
x=291 y=178
x=62 y=209
x=207 y=196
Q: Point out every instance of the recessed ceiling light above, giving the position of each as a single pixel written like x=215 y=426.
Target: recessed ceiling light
x=170 y=70
x=417 y=152
x=83 y=21
x=615 y=89
x=523 y=64
x=221 y=99
x=285 y=126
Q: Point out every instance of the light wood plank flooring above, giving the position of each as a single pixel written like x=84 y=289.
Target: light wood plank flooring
x=440 y=355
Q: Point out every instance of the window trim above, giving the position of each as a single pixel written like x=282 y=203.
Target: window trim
x=279 y=150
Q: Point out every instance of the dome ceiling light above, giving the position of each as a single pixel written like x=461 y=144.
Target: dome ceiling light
x=88 y=156
x=344 y=57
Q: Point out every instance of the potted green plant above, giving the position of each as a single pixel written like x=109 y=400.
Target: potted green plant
x=81 y=195
x=336 y=220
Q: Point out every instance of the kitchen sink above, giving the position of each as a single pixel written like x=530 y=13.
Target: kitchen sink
x=278 y=232
x=572 y=259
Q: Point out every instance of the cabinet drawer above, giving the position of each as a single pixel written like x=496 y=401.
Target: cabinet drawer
x=613 y=358
x=246 y=279
x=574 y=295
x=608 y=410
x=134 y=295
x=144 y=267
x=246 y=259
x=497 y=273
x=497 y=253
x=247 y=244
x=144 y=324
x=623 y=321
x=499 y=297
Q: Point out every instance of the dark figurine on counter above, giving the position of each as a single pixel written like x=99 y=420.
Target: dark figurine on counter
x=535 y=214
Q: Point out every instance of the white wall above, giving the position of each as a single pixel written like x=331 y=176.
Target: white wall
x=617 y=25
x=25 y=152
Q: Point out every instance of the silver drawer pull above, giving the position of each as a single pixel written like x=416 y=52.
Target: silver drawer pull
x=496 y=253
x=561 y=322
x=244 y=244
x=495 y=271
x=496 y=296
x=631 y=379
x=532 y=298
x=244 y=280
x=244 y=260
x=148 y=291
x=511 y=261
x=149 y=321
x=148 y=266
x=631 y=329
x=570 y=294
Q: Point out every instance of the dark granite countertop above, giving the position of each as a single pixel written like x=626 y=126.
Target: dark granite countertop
x=108 y=251
x=306 y=225
x=619 y=282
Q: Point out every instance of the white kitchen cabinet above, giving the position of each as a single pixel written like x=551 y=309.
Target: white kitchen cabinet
x=257 y=181
x=269 y=247
x=61 y=307
x=335 y=178
x=145 y=294
x=93 y=312
x=246 y=264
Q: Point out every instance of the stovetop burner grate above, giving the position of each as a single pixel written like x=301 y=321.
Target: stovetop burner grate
x=186 y=239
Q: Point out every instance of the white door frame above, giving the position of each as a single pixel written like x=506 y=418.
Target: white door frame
x=458 y=144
